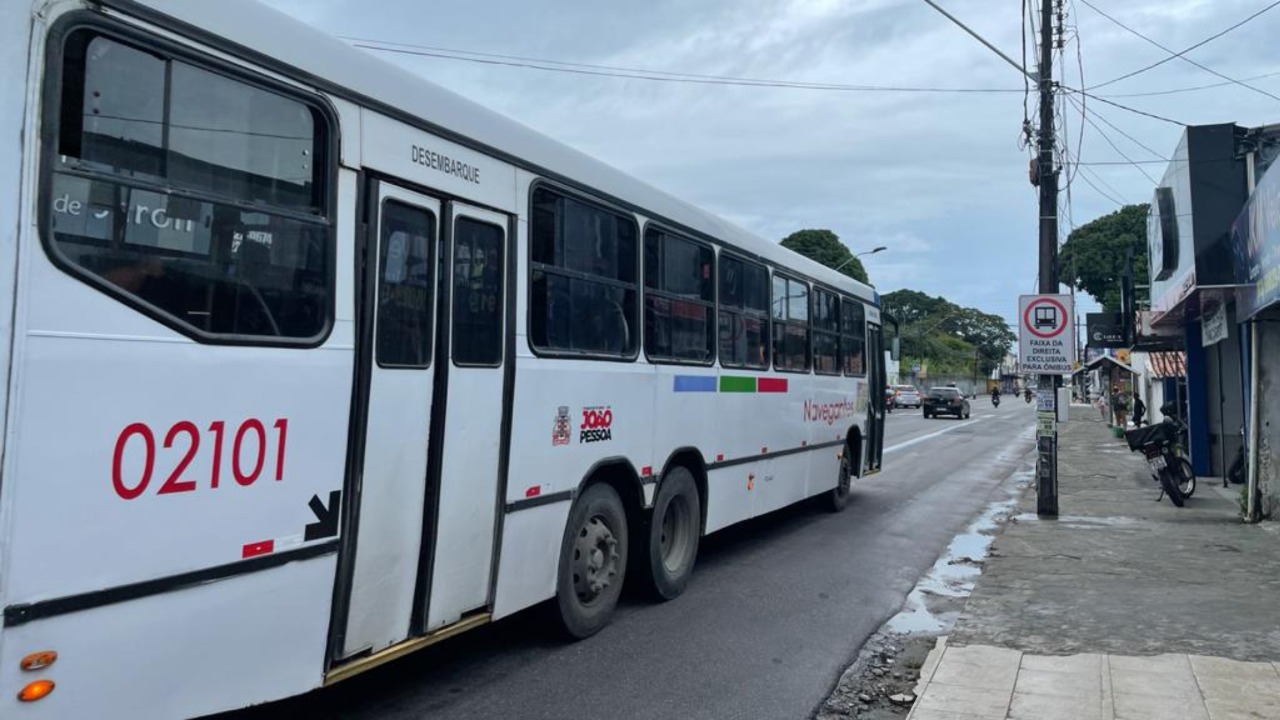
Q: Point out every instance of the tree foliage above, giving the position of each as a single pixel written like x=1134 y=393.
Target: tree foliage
x=950 y=337
x=1092 y=259
x=825 y=247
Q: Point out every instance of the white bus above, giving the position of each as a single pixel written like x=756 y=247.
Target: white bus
x=310 y=363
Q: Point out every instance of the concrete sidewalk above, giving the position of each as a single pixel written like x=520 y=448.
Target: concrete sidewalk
x=1120 y=608
x=981 y=682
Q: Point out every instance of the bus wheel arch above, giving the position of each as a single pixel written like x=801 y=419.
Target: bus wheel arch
x=853 y=448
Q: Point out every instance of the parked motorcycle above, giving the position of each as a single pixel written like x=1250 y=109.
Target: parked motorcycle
x=1162 y=444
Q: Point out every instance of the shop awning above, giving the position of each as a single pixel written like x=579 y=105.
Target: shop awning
x=1162 y=365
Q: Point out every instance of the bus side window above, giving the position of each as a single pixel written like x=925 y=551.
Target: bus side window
x=194 y=196
x=584 y=280
x=853 y=337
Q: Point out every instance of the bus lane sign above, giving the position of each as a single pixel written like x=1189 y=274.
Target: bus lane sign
x=1046 y=341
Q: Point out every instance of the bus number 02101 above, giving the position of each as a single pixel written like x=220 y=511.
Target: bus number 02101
x=251 y=434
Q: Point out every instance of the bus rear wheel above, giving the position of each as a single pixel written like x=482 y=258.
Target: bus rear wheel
x=838 y=497
x=674 y=532
x=593 y=562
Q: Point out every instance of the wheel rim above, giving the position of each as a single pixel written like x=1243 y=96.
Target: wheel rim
x=595 y=560
x=674 y=542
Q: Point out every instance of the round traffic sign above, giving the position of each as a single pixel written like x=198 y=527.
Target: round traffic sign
x=1045 y=313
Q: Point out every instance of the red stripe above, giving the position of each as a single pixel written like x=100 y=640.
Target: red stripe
x=765 y=384
x=255 y=549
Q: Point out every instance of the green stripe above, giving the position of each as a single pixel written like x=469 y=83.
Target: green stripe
x=736 y=383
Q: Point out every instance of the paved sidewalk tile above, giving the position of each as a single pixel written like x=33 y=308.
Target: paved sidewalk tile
x=977 y=683
x=1031 y=706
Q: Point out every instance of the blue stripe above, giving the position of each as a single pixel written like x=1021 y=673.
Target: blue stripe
x=694 y=383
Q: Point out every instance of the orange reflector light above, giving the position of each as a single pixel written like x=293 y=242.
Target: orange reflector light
x=36 y=690
x=39 y=660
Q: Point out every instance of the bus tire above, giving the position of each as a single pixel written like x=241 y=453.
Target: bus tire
x=674 y=532
x=837 y=498
x=593 y=562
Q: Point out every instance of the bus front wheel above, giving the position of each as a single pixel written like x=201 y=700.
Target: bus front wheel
x=593 y=561
x=674 y=532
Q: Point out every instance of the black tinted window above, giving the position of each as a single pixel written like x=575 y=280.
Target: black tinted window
x=583 y=287
x=791 y=326
x=853 y=337
x=128 y=111
x=243 y=250
x=477 y=293
x=744 y=313
x=826 y=329
x=405 y=288
x=679 y=318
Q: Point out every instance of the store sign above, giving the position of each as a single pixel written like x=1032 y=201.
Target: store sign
x=1213 y=325
x=1106 y=330
x=1255 y=241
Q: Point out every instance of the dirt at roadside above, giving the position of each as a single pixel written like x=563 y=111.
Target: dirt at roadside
x=880 y=685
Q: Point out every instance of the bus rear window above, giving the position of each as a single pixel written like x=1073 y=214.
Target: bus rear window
x=197 y=197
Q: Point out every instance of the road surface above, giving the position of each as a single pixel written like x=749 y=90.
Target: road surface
x=775 y=611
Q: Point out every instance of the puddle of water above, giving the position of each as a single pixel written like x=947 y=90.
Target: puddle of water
x=956 y=572
x=1086 y=521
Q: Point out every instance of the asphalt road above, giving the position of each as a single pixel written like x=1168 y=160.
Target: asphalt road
x=777 y=607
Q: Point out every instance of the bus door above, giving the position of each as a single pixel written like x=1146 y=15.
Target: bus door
x=875 y=408
x=470 y=435
x=401 y=294
x=428 y=487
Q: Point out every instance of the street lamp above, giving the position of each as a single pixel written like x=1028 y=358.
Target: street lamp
x=872 y=251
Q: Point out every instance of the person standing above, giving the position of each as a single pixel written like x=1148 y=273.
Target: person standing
x=1119 y=406
x=1139 y=409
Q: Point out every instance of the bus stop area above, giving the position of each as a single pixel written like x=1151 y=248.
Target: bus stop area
x=1122 y=607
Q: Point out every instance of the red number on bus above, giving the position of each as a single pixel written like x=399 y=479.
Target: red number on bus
x=129 y=493
x=175 y=483
x=242 y=477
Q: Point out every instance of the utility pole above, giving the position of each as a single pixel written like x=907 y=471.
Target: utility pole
x=1047 y=446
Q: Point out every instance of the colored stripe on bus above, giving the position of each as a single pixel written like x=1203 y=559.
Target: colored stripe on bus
x=737 y=383
x=729 y=384
x=771 y=385
x=694 y=383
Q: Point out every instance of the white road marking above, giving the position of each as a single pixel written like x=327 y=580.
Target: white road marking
x=931 y=435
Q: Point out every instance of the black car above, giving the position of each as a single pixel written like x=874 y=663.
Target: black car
x=945 y=401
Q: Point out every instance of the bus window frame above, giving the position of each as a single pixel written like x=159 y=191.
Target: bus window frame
x=786 y=322
x=766 y=318
x=665 y=230
x=529 y=267
x=50 y=98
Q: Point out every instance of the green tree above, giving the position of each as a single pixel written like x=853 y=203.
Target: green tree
x=825 y=247
x=1092 y=258
x=949 y=336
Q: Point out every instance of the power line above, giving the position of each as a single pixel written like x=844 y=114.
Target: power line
x=1131 y=138
x=1193 y=88
x=1184 y=52
x=642 y=74
x=1087 y=181
x=1116 y=147
x=1099 y=98
x=1181 y=56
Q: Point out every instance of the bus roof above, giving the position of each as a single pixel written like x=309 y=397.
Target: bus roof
x=334 y=66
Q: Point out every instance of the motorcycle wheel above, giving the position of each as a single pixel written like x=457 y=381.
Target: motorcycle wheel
x=1186 y=478
x=1171 y=488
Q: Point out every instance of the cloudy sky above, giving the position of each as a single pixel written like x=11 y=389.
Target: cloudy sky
x=938 y=178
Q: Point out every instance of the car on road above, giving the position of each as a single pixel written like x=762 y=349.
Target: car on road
x=945 y=401
x=906 y=396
